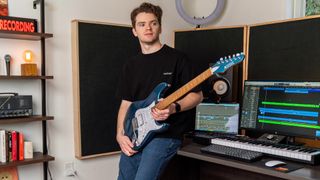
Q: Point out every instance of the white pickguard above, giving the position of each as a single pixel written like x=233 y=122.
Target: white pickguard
x=145 y=124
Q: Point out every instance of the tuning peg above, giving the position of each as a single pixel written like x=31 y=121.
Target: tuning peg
x=233 y=55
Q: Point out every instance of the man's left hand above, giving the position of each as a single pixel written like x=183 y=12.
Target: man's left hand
x=161 y=115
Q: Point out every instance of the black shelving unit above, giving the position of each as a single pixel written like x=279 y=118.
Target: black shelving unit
x=39 y=157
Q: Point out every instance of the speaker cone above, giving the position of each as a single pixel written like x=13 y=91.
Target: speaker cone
x=221 y=87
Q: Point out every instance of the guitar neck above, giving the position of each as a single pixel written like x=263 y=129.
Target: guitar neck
x=184 y=89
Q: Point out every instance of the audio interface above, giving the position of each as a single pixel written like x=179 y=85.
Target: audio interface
x=15 y=106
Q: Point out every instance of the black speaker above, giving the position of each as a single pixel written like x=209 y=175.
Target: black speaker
x=223 y=88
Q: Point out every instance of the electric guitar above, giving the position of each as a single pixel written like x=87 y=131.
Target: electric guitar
x=139 y=124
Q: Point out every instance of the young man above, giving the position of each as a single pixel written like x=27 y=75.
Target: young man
x=155 y=64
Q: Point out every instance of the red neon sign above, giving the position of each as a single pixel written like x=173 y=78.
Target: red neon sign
x=18 y=24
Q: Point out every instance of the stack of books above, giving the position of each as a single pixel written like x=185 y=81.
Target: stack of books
x=11 y=146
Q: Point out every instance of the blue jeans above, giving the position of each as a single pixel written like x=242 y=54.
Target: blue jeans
x=149 y=163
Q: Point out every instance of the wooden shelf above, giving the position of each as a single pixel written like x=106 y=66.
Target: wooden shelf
x=25 y=119
x=24 y=35
x=38 y=157
x=24 y=77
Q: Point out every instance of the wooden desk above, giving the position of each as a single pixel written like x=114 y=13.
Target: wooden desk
x=196 y=165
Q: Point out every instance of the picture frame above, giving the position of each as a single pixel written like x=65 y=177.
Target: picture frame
x=4 y=8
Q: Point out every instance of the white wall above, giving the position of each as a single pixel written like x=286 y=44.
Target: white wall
x=59 y=14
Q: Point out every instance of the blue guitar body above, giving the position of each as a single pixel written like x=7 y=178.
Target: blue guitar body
x=139 y=123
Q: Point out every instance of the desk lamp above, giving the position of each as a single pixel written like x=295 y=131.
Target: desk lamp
x=28 y=68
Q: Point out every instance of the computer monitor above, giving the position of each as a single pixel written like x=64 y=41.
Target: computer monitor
x=285 y=108
x=217 y=118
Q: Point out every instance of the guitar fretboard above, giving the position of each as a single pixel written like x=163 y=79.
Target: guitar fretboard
x=184 y=89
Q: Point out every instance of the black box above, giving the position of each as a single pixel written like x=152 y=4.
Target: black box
x=15 y=106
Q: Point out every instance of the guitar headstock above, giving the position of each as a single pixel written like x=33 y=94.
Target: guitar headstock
x=225 y=63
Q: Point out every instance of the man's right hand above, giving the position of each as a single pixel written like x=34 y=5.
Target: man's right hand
x=125 y=145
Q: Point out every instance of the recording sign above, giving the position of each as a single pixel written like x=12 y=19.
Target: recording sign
x=8 y=23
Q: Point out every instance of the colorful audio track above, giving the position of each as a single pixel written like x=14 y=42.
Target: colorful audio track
x=289 y=107
x=303 y=115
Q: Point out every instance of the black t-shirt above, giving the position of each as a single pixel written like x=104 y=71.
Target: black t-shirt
x=142 y=73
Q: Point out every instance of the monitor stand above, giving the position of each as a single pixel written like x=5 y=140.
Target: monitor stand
x=271 y=138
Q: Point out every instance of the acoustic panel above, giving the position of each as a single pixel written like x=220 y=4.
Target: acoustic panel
x=99 y=52
x=204 y=47
x=287 y=50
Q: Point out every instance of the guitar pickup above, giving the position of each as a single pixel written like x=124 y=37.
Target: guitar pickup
x=134 y=123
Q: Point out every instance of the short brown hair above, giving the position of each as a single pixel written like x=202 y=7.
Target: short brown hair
x=146 y=8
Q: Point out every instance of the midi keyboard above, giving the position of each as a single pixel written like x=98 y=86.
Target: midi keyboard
x=290 y=152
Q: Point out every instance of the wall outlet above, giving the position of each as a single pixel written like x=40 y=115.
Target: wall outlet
x=69 y=170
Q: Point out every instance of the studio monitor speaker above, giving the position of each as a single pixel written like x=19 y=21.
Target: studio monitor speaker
x=223 y=88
